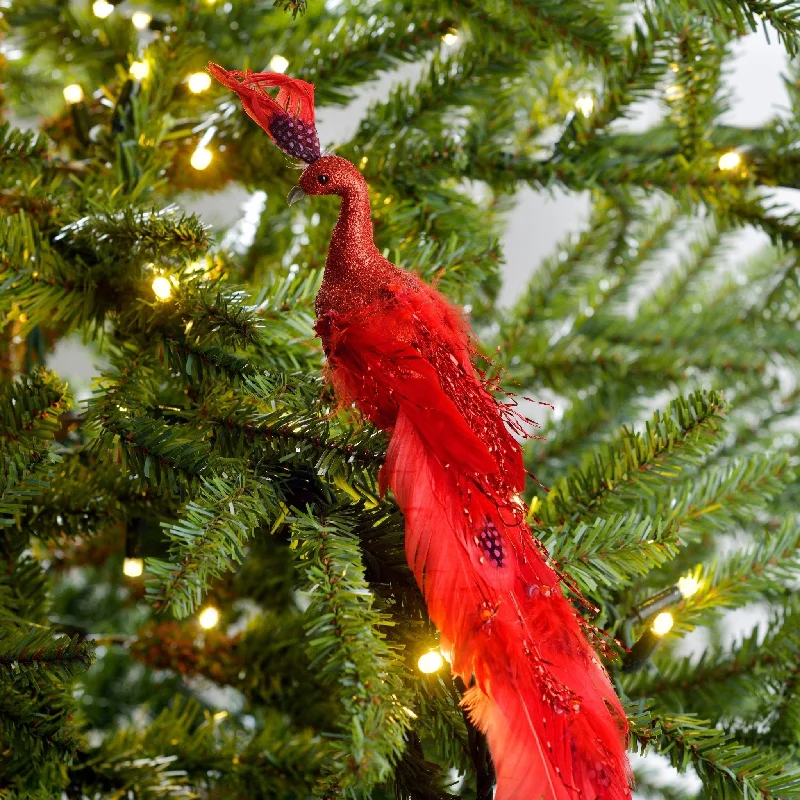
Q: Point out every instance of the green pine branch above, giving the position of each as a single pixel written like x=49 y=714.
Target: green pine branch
x=638 y=462
x=35 y=729
x=701 y=259
x=610 y=552
x=29 y=410
x=719 y=496
x=36 y=657
x=148 y=235
x=208 y=539
x=761 y=571
x=740 y=681
x=24 y=586
x=630 y=77
x=727 y=768
x=746 y=16
x=345 y=638
x=20 y=148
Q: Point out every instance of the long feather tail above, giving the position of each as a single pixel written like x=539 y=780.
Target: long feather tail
x=555 y=727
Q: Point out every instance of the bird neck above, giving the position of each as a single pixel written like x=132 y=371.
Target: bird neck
x=352 y=248
x=355 y=273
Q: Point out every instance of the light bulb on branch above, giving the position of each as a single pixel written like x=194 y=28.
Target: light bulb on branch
x=162 y=288
x=585 y=104
x=133 y=567
x=73 y=94
x=729 y=161
x=201 y=158
x=102 y=8
x=685 y=588
x=140 y=20
x=662 y=624
x=198 y=82
x=688 y=586
x=139 y=70
x=431 y=661
x=278 y=64
x=647 y=643
x=208 y=618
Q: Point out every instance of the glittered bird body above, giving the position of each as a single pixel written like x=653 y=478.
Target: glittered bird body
x=397 y=349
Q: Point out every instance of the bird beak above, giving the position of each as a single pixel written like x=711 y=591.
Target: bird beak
x=295 y=194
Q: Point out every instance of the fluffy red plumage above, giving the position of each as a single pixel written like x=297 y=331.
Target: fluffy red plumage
x=399 y=351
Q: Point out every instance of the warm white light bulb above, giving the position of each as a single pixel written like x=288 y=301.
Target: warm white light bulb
x=102 y=8
x=201 y=158
x=209 y=617
x=133 y=567
x=199 y=82
x=141 y=19
x=162 y=288
x=585 y=104
x=450 y=38
x=430 y=662
x=729 y=160
x=662 y=624
x=73 y=93
x=140 y=70
x=278 y=64
x=688 y=586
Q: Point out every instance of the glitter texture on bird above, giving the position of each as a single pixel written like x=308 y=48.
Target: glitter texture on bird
x=404 y=355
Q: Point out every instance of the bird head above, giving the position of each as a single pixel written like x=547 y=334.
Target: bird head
x=327 y=175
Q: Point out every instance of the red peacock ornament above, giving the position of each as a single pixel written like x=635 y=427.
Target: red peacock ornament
x=402 y=353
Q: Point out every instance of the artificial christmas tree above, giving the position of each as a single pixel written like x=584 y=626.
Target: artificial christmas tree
x=202 y=591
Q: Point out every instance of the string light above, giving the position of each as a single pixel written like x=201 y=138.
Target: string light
x=199 y=82
x=645 y=646
x=162 y=288
x=450 y=38
x=141 y=19
x=102 y=8
x=688 y=586
x=730 y=160
x=662 y=624
x=585 y=104
x=73 y=94
x=278 y=64
x=673 y=92
x=201 y=158
x=209 y=617
x=140 y=70
x=133 y=567
x=430 y=662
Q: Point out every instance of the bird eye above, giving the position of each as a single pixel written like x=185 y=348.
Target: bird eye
x=323 y=179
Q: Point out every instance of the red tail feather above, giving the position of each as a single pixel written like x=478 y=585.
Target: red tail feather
x=556 y=729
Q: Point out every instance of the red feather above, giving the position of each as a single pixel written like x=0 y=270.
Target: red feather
x=555 y=727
